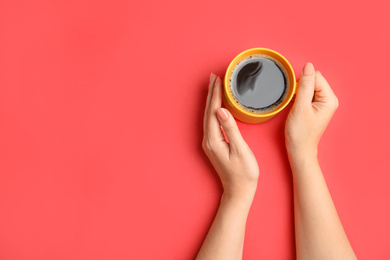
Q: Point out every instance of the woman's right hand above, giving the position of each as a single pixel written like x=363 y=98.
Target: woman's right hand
x=233 y=160
x=314 y=106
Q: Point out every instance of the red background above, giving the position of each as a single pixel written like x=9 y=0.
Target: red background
x=101 y=106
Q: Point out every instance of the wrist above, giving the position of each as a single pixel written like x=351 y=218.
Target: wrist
x=303 y=162
x=242 y=202
x=244 y=194
x=302 y=152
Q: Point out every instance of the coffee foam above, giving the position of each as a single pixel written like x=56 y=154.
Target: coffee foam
x=233 y=79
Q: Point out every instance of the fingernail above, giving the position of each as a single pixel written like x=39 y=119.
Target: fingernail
x=222 y=114
x=218 y=82
x=308 y=69
x=212 y=76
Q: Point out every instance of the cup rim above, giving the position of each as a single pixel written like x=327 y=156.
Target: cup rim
x=261 y=51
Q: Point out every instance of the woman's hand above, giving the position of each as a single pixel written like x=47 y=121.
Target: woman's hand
x=319 y=233
x=314 y=106
x=237 y=167
x=233 y=160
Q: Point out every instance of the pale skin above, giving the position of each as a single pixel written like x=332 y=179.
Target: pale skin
x=318 y=229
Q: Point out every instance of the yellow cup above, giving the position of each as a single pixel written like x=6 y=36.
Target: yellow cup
x=248 y=116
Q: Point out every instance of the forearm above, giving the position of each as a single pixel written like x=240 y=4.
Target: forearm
x=225 y=238
x=319 y=232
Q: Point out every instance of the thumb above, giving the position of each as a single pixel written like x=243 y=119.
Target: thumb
x=306 y=85
x=229 y=126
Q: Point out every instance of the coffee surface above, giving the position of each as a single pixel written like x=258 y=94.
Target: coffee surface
x=258 y=83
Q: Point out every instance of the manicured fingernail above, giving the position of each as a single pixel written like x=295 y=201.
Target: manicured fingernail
x=222 y=114
x=212 y=76
x=308 y=69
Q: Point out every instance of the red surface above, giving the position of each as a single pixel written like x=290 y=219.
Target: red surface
x=101 y=106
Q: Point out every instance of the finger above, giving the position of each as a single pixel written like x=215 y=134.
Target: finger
x=216 y=99
x=209 y=95
x=324 y=92
x=306 y=87
x=212 y=124
x=230 y=128
x=322 y=85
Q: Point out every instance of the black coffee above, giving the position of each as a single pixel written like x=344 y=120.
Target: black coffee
x=258 y=84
